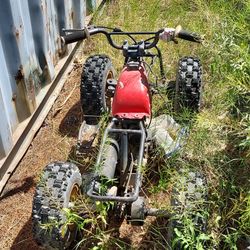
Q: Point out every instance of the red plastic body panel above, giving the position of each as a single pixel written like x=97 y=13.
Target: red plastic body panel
x=132 y=97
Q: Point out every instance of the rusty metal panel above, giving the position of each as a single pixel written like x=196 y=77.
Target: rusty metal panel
x=30 y=49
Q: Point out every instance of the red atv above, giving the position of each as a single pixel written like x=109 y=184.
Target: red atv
x=127 y=140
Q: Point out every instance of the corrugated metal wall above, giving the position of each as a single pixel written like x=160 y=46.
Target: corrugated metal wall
x=29 y=51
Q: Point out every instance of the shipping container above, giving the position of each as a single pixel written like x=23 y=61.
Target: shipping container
x=30 y=56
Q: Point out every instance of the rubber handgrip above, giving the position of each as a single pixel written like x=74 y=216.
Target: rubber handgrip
x=74 y=37
x=189 y=36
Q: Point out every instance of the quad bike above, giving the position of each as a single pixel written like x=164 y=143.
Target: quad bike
x=118 y=173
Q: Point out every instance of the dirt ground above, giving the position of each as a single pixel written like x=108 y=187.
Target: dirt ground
x=54 y=141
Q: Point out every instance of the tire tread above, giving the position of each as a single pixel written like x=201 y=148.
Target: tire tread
x=92 y=87
x=49 y=199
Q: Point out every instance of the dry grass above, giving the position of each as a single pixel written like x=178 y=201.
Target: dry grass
x=54 y=141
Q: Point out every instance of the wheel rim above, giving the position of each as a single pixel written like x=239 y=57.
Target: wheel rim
x=74 y=193
x=68 y=233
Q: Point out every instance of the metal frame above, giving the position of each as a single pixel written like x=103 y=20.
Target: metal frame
x=110 y=130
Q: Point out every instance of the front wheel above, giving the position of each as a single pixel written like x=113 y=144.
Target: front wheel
x=94 y=98
x=58 y=188
x=188 y=84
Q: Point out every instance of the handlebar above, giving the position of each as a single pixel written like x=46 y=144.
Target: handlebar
x=77 y=35
x=89 y=31
x=74 y=37
x=186 y=35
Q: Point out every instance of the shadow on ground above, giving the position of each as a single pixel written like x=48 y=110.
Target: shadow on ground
x=28 y=183
x=71 y=122
x=24 y=239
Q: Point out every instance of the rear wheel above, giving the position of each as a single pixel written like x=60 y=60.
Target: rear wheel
x=94 y=99
x=58 y=188
x=188 y=84
x=188 y=202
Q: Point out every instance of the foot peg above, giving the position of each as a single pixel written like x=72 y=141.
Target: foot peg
x=86 y=136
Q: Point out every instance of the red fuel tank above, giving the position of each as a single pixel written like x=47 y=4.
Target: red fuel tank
x=132 y=97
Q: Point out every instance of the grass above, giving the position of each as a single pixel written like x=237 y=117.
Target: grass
x=219 y=141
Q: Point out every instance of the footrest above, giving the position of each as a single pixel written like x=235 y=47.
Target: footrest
x=86 y=136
